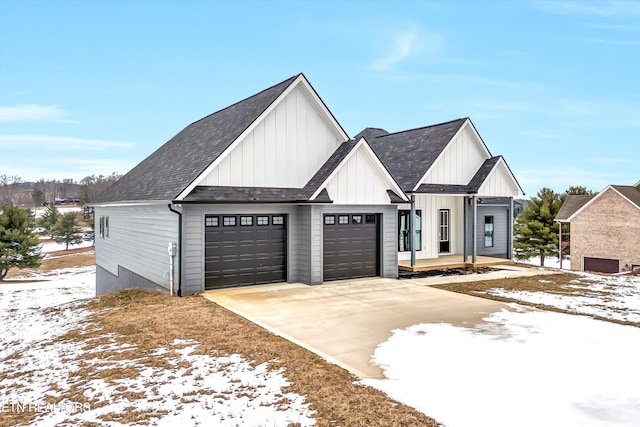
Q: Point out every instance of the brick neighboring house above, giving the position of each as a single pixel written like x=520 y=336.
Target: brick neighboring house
x=605 y=229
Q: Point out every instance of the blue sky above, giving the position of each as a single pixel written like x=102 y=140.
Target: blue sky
x=91 y=87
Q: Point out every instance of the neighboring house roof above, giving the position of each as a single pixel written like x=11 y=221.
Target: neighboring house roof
x=571 y=205
x=409 y=154
x=575 y=204
x=171 y=168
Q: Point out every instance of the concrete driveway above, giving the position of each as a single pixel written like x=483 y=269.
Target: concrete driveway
x=345 y=321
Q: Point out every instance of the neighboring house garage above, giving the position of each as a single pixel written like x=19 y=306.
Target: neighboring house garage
x=604 y=234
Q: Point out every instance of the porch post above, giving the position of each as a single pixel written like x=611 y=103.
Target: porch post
x=511 y=219
x=412 y=227
x=474 y=225
x=465 y=200
x=560 y=243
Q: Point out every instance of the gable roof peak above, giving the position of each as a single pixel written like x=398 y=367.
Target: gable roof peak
x=460 y=120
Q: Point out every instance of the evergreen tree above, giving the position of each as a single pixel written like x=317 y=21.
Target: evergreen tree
x=67 y=230
x=38 y=196
x=19 y=246
x=49 y=218
x=535 y=231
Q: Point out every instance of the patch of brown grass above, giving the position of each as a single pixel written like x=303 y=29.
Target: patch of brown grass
x=561 y=284
x=60 y=259
x=148 y=320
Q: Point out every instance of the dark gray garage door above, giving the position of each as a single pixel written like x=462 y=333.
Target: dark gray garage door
x=350 y=246
x=244 y=250
x=601 y=265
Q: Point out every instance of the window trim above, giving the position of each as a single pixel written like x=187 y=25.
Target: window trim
x=229 y=217
x=212 y=217
x=489 y=234
x=327 y=222
x=244 y=218
x=262 y=217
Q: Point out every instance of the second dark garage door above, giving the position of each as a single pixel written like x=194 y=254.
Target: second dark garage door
x=244 y=250
x=350 y=246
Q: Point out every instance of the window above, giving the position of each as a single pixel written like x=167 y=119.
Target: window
x=229 y=221
x=211 y=221
x=329 y=219
x=403 y=230
x=356 y=219
x=102 y=227
x=246 y=220
x=106 y=226
x=370 y=219
x=262 y=220
x=343 y=219
x=277 y=220
x=488 y=231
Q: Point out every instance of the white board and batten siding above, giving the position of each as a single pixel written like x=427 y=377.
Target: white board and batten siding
x=359 y=181
x=285 y=149
x=430 y=207
x=460 y=160
x=138 y=238
x=499 y=183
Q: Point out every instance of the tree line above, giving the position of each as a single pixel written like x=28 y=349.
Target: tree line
x=19 y=240
x=15 y=191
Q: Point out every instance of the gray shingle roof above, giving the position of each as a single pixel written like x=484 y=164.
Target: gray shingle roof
x=371 y=133
x=474 y=185
x=571 y=206
x=172 y=167
x=229 y=194
x=327 y=168
x=409 y=154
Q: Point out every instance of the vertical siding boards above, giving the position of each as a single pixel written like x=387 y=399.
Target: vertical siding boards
x=138 y=240
x=285 y=149
x=459 y=162
x=430 y=207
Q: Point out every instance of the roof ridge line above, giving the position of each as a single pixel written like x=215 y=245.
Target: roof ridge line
x=421 y=127
x=248 y=97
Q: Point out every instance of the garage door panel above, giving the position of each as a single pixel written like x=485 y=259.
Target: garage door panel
x=246 y=253
x=350 y=250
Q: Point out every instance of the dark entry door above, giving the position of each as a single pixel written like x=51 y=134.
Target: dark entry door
x=350 y=246
x=244 y=250
x=445 y=245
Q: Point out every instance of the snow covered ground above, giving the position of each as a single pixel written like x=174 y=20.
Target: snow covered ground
x=522 y=368
x=51 y=246
x=611 y=297
x=551 y=262
x=197 y=389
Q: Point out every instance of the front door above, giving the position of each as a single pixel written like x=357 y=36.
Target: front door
x=445 y=246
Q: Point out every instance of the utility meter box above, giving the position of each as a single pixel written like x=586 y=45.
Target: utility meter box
x=173 y=248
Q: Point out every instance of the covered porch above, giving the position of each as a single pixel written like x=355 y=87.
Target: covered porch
x=451 y=261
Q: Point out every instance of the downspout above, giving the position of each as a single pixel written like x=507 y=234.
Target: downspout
x=412 y=227
x=179 y=252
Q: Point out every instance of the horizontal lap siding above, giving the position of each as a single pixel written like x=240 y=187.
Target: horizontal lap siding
x=500 y=231
x=138 y=240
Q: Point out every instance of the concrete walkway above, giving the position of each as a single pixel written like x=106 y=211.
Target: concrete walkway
x=345 y=321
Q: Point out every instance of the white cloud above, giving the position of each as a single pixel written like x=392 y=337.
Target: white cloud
x=58 y=143
x=30 y=112
x=406 y=44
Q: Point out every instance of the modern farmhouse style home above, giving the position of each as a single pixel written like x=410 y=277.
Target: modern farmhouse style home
x=272 y=189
